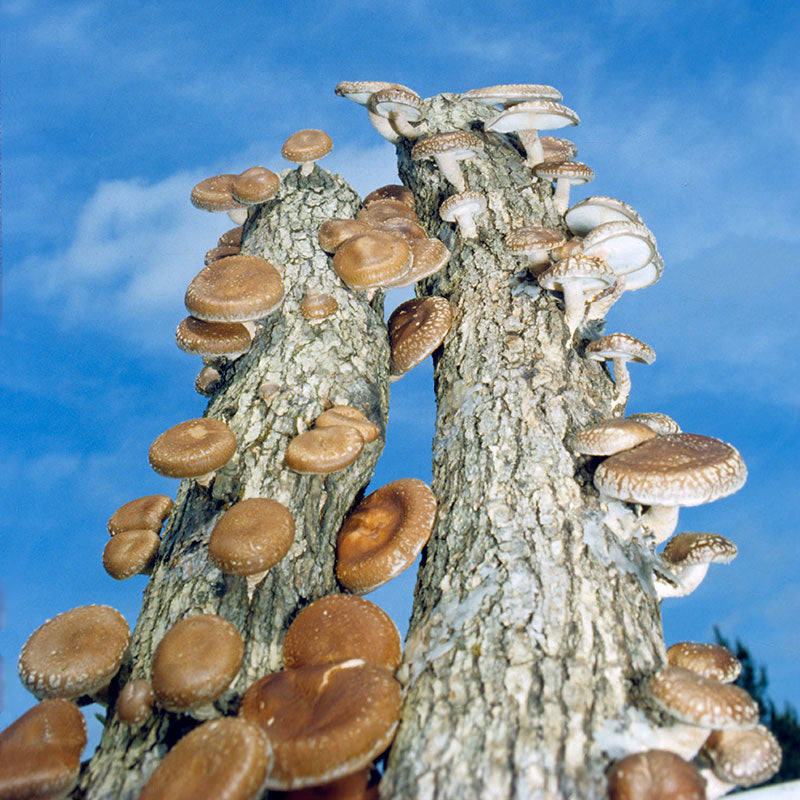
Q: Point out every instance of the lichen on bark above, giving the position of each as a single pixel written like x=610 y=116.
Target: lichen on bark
x=531 y=621
x=341 y=361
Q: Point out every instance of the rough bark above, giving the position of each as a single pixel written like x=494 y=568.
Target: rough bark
x=342 y=361
x=531 y=620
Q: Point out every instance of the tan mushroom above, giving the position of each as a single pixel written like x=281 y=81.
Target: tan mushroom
x=195 y=448
x=306 y=147
x=416 y=328
x=321 y=451
x=447 y=149
x=135 y=703
x=130 y=553
x=143 y=513
x=619 y=349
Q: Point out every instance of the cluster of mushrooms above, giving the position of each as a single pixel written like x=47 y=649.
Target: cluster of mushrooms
x=334 y=708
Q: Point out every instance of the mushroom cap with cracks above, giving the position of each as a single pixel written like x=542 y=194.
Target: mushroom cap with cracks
x=512 y=93
x=687 y=557
x=565 y=174
x=75 y=653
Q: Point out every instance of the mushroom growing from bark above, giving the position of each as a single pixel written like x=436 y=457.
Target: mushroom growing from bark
x=195 y=448
x=610 y=436
x=306 y=147
x=372 y=259
x=321 y=451
x=135 y=702
x=416 y=328
x=687 y=557
x=594 y=211
x=566 y=174
x=447 y=149
x=213 y=339
x=216 y=194
x=533 y=245
x=360 y=92
x=143 y=513
x=620 y=348
x=130 y=553
x=709 y=660
x=655 y=775
x=255 y=185
x=462 y=209
x=400 y=106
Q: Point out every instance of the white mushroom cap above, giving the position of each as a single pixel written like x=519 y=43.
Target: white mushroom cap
x=625 y=246
x=360 y=92
x=400 y=106
x=462 y=208
x=594 y=211
x=645 y=276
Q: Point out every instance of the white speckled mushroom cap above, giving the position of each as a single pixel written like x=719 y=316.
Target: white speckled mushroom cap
x=226 y=759
x=75 y=653
x=554 y=148
x=709 y=660
x=323 y=721
x=360 y=91
x=416 y=328
x=689 y=549
x=512 y=93
x=538 y=115
x=610 y=436
x=468 y=202
x=394 y=99
x=679 y=469
x=460 y=144
x=594 y=211
x=575 y=171
x=691 y=698
x=531 y=239
x=622 y=346
x=625 y=246
x=195 y=662
x=593 y=273
x=659 y=422
x=201 y=338
x=744 y=758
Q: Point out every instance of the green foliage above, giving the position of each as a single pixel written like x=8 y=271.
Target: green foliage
x=785 y=724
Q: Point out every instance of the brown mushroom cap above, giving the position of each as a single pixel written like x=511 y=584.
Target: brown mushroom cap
x=430 y=255
x=130 y=553
x=404 y=228
x=235 y=289
x=232 y=237
x=192 y=448
x=361 y=785
x=324 y=450
x=135 y=702
x=225 y=759
x=195 y=662
x=743 y=758
x=317 y=306
x=460 y=144
x=689 y=549
x=691 y=698
x=708 y=660
x=143 y=513
x=360 y=91
x=392 y=192
x=416 y=328
x=307 y=145
x=335 y=232
x=655 y=775
x=40 y=752
x=323 y=721
x=251 y=536
x=380 y=210
x=75 y=653
x=201 y=338
x=621 y=346
x=207 y=381
x=339 y=627
x=255 y=185
x=679 y=469
x=611 y=436
x=372 y=259
x=575 y=171
x=215 y=194
x=352 y=417
x=221 y=251
x=554 y=148
x=512 y=93
x=660 y=423
x=384 y=534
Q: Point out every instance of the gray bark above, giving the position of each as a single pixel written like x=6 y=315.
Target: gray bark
x=531 y=620
x=342 y=361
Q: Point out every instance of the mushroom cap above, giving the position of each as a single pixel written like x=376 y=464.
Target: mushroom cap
x=226 y=759
x=594 y=211
x=372 y=259
x=535 y=115
x=625 y=246
x=621 y=346
x=339 y=627
x=689 y=549
x=232 y=237
x=207 y=381
x=361 y=785
x=392 y=191
x=744 y=758
x=321 y=451
x=659 y=422
x=709 y=660
x=406 y=229
x=575 y=171
x=429 y=255
x=307 y=145
x=40 y=752
x=195 y=662
x=360 y=91
x=220 y=251
x=469 y=202
x=351 y=417
x=215 y=194
x=395 y=99
x=512 y=93
x=251 y=536
x=655 y=775
x=416 y=328
x=380 y=210
x=317 y=306
x=679 y=469
x=334 y=232
x=700 y=701
x=255 y=185
x=460 y=144
x=610 y=436
x=135 y=702
x=148 y=512
x=384 y=534
x=130 y=553
x=235 y=289
x=531 y=239
x=75 y=653
x=201 y=338
x=192 y=448
x=593 y=273
x=323 y=721
x=555 y=148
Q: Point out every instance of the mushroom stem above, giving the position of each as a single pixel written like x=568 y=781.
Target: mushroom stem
x=622 y=380
x=466 y=224
x=687 y=580
x=533 y=148
x=399 y=122
x=448 y=166
x=660 y=522
x=574 y=304
x=715 y=787
x=307 y=167
x=252 y=583
x=561 y=195
x=238 y=216
x=384 y=127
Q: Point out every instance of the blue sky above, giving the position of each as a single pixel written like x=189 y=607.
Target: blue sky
x=112 y=111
